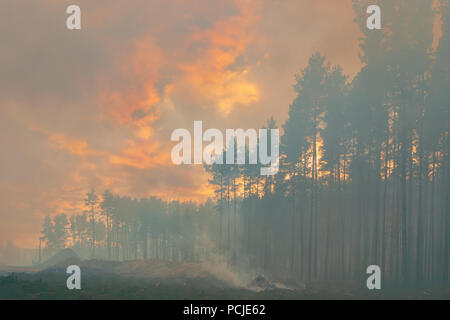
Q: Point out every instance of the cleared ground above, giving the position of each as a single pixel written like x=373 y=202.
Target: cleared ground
x=156 y=279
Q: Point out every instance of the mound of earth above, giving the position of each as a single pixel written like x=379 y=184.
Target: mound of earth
x=260 y=283
x=64 y=256
x=161 y=269
x=139 y=269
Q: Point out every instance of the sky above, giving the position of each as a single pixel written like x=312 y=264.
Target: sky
x=94 y=108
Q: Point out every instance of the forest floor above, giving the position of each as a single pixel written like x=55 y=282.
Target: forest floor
x=157 y=279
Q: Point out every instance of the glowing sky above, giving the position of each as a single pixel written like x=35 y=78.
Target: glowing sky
x=94 y=108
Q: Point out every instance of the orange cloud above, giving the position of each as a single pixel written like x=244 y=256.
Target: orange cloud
x=141 y=156
x=213 y=74
x=198 y=195
x=138 y=73
x=60 y=141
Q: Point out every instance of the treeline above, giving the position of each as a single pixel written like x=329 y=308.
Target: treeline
x=122 y=228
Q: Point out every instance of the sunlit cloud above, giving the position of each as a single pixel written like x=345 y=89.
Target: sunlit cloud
x=60 y=141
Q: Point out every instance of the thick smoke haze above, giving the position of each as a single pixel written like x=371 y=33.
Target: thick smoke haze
x=95 y=108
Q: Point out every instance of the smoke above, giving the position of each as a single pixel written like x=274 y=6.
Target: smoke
x=216 y=262
x=13 y=256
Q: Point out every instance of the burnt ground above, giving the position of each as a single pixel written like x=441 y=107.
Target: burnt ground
x=50 y=284
x=157 y=279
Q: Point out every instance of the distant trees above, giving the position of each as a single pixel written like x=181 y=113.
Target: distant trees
x=54 y=233
x=107 y=206
x=91 y=202
x=138 y=229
